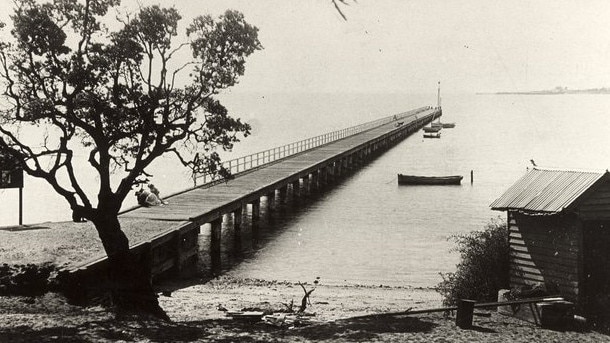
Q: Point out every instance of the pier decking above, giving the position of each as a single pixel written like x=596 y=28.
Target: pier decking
x=206 y=203
x=306 y=167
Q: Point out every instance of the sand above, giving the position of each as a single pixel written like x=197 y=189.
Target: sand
x=194 y=305
x=196 y=316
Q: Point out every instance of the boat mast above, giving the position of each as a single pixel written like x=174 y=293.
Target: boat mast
x=438 y=97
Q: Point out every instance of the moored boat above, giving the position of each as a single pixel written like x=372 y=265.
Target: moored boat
x=429 y=180
x=432 y=135
x=431 y=128
x=443 y=125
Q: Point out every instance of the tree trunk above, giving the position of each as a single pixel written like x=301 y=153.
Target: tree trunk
x=130 y=276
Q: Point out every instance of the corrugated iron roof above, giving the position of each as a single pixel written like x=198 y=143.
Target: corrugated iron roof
x=546 y=190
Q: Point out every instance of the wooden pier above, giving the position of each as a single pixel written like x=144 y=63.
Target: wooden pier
x=301 y=167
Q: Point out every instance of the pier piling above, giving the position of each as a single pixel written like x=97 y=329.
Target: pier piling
x=215 y=239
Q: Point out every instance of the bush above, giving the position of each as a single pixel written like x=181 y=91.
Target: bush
x=26 y=279
x=483 y=267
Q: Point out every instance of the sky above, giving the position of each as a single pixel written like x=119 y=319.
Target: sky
x=409 y=45
x=398 y=46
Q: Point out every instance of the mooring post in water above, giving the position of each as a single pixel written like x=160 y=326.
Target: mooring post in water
x=465 y=309
x=215 y=238
x=471 y=176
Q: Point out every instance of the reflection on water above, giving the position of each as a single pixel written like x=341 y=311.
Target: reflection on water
x=277 y=214
x=369 y=230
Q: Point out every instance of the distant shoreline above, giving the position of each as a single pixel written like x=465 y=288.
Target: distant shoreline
x=556 y=91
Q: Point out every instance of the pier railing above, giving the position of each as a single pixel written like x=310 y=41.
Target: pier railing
x=261 y=158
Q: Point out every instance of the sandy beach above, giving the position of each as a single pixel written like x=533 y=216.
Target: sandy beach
x=198 y=315
x=194 y=307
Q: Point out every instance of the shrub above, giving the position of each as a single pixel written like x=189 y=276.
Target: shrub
x=26 y=279
x=483 y=267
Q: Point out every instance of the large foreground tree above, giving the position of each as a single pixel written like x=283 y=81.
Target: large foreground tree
x=125 y=96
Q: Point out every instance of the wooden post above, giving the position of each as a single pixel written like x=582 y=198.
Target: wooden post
x=330 y=173
x=20 y=206
x=296 y=190
x=314 y=182
x=215 y=238
x=471 y=176
x=305 y=186
x=256 y=214
x=323 y=172
x=178 y=247
x=463 y=318
x=338 y=169
x=271 y=201
x=237 y=220
x=282 y=198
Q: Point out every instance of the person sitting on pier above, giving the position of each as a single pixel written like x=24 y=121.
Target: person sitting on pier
x=147 y=198
x=155 y=191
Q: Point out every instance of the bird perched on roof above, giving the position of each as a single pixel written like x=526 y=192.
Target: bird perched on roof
x=533 y=163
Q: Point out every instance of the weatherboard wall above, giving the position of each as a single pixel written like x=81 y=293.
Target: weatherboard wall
x=596 y=206
x=546 y=250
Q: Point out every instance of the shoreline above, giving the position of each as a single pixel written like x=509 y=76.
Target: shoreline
x=329 y=302
x=196 y=317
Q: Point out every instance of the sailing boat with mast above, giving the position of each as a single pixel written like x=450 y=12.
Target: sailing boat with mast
x=433 y=131
x=438 y=123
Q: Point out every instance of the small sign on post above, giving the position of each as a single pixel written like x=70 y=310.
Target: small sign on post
x=11 y=176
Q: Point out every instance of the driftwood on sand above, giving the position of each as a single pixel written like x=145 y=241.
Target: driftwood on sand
x=305 y=299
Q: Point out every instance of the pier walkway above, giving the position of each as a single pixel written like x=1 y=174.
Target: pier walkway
x=303 y=167
x=208 y=202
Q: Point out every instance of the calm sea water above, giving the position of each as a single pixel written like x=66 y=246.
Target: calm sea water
x=368 y=230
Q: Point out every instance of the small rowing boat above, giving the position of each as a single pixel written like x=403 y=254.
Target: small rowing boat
x=432 y=129
x=429 y=180
x=432 y=135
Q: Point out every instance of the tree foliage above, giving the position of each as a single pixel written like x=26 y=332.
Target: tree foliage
x=483 y=267
x=127 y=96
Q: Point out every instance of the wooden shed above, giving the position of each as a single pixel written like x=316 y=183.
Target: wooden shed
x=559 y=234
